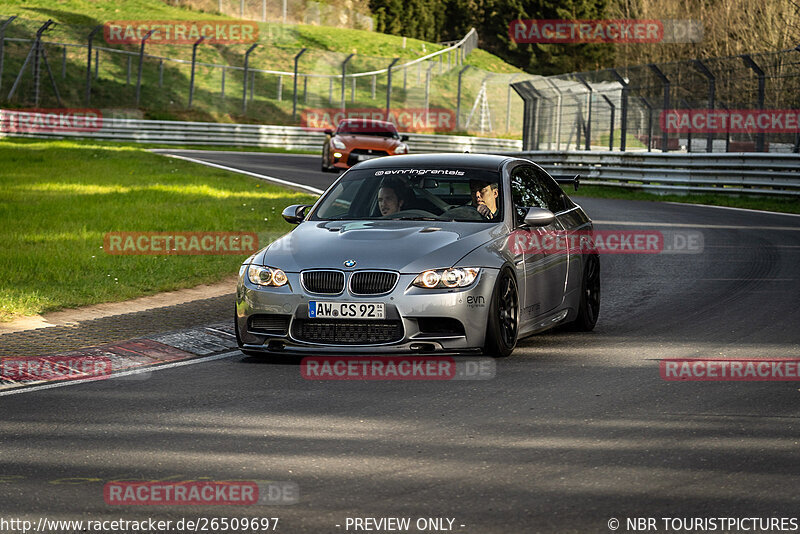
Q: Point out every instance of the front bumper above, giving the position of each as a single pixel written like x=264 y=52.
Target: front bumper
x=413 y=309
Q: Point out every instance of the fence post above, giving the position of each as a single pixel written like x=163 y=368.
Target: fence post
x=649 y=123
x=458 y=98
x=666 y=105
x=63 y=62
x=623 y=118
x=141 y=61
x=89 y=64
x=344 y=74
x=160 y=73
x=389 y=86
x=97 y=64
x=590 y=95
x=508 y=101
x=374 y=80
x=222 y=86
x=194 y=62
x=686 y=106
x=558 y=113
x=761 y=81
x=246 y=67
x=2 y=45
x=294 y=98
x=428 y=86
x=611 y=137
x=712 y=87
x=280 y=88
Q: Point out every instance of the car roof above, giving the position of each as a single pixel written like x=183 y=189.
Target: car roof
x=384 y=124
x=473 y=161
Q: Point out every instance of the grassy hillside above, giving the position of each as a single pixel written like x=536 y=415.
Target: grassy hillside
x=165 y=88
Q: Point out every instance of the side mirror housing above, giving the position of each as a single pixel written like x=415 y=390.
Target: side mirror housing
x=404 y=138
x=328 y=131
x=295 y=213
x=539 y=217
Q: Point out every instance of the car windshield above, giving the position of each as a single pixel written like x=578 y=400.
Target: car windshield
x=435 y=194
x=367 y=128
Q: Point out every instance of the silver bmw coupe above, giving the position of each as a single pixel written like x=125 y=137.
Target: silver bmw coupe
x=420 y=254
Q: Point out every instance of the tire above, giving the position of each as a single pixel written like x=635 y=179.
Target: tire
x=502 y=329
x=589 y=307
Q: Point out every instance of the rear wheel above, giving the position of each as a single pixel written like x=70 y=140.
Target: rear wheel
x=589 y=307
x=503 y=327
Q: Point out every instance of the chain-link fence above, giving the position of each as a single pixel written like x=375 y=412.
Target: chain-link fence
x=343 y=14
x=745 y=103
x=273 y=80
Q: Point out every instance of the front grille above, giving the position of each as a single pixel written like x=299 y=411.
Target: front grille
x=347 y=332
x=269 y=324
x=352 y=159
x=372 y=282
x=330 y=282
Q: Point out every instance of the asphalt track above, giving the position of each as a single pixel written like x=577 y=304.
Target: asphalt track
x=575 y=429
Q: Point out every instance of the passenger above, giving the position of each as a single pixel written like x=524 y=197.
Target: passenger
x=484 y=198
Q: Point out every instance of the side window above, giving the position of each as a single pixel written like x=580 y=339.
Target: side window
x=556 y=197
x=528 y=191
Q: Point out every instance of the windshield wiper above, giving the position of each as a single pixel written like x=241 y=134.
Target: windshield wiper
x=416 y=219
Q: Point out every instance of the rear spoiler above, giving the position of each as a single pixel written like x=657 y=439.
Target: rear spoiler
x=568 y=179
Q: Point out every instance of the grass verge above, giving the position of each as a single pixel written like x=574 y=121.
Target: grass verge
x=58 y=199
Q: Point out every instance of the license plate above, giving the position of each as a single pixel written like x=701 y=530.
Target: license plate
x=364 y=157
x=346 y=310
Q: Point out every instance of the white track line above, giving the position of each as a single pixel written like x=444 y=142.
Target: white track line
x=142 y=370
x=293 y=185
x=690 y=225
x=239 y=152
x=732 y=208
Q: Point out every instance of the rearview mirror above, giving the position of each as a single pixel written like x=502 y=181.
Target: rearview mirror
x=539 y=217
x=295 y=213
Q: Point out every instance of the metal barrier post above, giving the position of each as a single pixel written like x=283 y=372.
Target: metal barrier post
x=141 y=61
x=649 y=123
x=712 y=87
x=610 y=137
x=194 y=62
x=89 y=63
x=294 y=98
x=244 y=78
x=588 y=111
x=2 y=45
x=666 y=106
x=623 y=118
x=344 y=74
x=389 y=86
x=458 y=99
x=761 y=90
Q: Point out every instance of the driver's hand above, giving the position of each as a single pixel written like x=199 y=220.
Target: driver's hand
x=483 y=209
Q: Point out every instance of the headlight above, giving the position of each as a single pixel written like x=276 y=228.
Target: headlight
x=401 y=149
x=446 y=278
x=338 y=143
x=266 y=276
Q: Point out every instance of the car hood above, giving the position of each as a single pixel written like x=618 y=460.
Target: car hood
x=369 y=141
x=405 y=246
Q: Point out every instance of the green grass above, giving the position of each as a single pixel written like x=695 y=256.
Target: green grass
x=58 y=199
x=782 y=205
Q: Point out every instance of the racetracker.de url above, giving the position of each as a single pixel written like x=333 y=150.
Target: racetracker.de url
x=44 y=525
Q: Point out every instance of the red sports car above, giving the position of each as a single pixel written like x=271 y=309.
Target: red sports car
x=360 y=139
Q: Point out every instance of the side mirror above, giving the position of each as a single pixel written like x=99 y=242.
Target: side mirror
x=404 y=138
x=295 y=213
x=539 y=217
x=328 y=131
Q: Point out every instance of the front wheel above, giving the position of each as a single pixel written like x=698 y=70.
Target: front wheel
x=589 y=307
x=503 y=327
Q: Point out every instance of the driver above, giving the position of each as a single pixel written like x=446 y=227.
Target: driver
x=392 y=195
x=484 y=197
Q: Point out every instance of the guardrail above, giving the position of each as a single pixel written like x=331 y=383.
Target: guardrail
x=255 y=135
x=734 y=173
